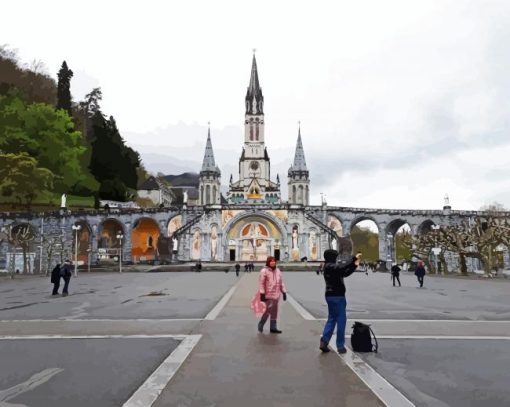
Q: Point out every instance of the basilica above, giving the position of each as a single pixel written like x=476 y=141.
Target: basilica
x=252 y=222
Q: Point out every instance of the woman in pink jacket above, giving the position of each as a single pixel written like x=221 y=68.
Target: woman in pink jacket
x=270 y=287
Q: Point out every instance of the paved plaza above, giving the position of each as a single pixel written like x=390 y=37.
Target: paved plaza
x=190 y=339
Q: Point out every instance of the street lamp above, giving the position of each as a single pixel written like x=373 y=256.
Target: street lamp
x=390 y=248
x=436 y=250
x=89 y=250
x=76 y=228
x=120 y=236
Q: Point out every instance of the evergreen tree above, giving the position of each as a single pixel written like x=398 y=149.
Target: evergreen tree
x=64 y=89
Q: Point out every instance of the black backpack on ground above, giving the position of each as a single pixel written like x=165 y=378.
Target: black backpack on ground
x=361 y=340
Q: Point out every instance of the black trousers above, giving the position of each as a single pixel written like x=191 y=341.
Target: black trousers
x=66 y=285
x=56 y=286
x=398 y=279
x=420 y=280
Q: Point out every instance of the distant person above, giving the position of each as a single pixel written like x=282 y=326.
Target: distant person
x=420 y=272
x=238 y=268
x=245 y=267
x=320 y=268
x=55 y=279
x=270 y=287
x=65 y=273
x=395 y=274
x=334 y=274
x=198 y=266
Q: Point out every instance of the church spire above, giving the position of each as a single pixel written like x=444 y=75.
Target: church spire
x=254 y=98
x=299 y=157
x=208 y=164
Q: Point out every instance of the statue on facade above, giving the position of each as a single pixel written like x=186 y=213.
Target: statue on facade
x=196 y=244
x=63 y=200
x=185 y=197
x=294 y=238
x=175 y=244
x=214 y=243
x=446 y=200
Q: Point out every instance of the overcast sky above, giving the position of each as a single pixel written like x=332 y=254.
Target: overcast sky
x=400 y=102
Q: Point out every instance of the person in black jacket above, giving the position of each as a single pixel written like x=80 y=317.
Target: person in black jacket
x=334 y=274
x=395 y=274
x=55 y=279
x=65 y=273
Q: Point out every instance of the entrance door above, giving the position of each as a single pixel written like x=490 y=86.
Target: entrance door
x=232 y=254
x=277 y=254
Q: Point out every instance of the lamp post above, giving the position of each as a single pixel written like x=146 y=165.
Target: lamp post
x=89 y=250
x=390 y=248
x=120 y=236
x=436 y=250
x=76 y=228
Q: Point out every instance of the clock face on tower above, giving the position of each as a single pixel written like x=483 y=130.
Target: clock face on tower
x=254 y=165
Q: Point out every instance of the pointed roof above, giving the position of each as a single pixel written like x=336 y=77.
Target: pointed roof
x=208 y=164
x=299 y=157
x=254 y=87
x=254 y=98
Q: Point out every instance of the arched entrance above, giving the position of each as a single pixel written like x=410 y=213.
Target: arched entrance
x=108 y=246
x=84 y=235
x=365 y=239
x=144 y=240
x=253 y=238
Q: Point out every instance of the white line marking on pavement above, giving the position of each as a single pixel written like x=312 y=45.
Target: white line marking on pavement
x=102 y=320
x=301 y=311
x=219 y=306
x=443 y=337
x=383 y=389
x=12 y=337
x=150 y=390
x=30 y=384
x=417 y=320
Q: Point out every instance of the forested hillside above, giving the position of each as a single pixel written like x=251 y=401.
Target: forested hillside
x=51 y=144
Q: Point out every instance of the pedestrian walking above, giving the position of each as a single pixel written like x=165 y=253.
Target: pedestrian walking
x=65 y=273
x=420 y=272
x=334 y=274
x=245 y=267
x=238 y=267
x=55 y=279
x=270 y=287
x=395 y=274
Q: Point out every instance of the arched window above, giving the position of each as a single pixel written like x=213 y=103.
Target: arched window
x=300 y=195
x=251 y=131
x=257 y=132
x=293 y=194
x=207 y=194
x=214 y=195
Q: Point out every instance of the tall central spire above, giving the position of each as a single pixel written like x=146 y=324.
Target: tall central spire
x=254 y=98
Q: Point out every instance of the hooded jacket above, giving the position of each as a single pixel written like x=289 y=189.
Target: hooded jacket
x=271 y=282
x=334 y=274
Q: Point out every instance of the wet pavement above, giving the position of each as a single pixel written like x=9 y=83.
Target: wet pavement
x=444 y=344
x=77 y=372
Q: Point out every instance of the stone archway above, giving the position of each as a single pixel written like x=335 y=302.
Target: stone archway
x=144 y=240
x=395 y=233
x=253 y=238
x=108 y=246
x=84 y=242
x=365 y=236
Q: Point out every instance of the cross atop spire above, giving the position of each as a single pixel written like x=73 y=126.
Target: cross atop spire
x=254 y=99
